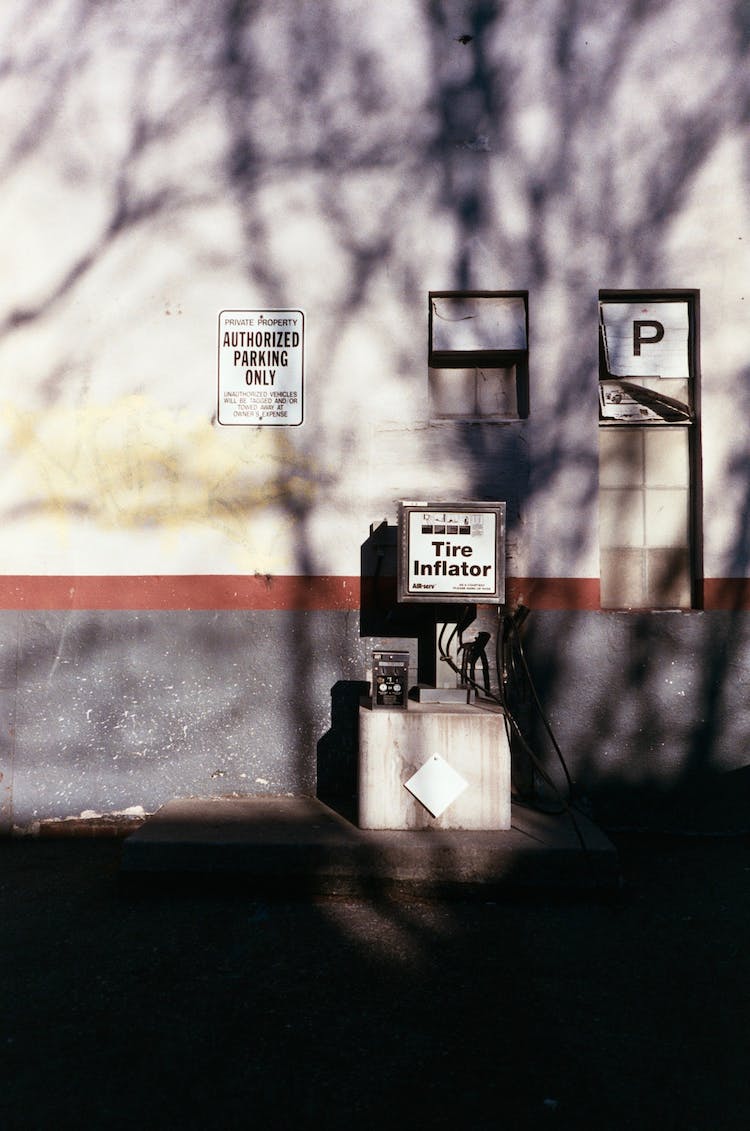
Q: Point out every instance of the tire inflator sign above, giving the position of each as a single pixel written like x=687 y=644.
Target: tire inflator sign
x=451 y=552
x=261 y=367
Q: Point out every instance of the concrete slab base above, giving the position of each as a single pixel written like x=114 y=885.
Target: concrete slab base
x=299 y=845
x=394 y=745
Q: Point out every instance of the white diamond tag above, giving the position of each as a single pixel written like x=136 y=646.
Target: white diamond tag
x=436 y=785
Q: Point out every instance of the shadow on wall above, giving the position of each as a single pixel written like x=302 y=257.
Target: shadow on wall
x=648 y=707
x=650 y=711
x=432 y=113
x=338 y=749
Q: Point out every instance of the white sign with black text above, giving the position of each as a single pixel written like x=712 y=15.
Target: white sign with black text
x=452 y=552
x=261 y=367
x=646 y=339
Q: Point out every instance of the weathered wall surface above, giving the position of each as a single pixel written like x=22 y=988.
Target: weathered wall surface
x=651 y=711
x=105 y=711
x=164 y=161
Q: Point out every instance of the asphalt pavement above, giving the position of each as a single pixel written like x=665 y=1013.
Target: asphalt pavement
x=207 y=1004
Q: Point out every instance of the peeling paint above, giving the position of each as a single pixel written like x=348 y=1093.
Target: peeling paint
x=88 y=823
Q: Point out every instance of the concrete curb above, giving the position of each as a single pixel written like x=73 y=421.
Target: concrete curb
x=285 y=843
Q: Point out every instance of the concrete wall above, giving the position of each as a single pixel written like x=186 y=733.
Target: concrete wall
x=651 y=713
x=164 y=161
x=108 y=711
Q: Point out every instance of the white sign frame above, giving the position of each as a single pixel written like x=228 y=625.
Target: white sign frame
x=451 y=552
x=261 y=363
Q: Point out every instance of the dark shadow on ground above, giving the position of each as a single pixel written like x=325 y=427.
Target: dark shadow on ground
x=214 y=1007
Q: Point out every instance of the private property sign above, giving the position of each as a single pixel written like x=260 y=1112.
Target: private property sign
x=261 y=367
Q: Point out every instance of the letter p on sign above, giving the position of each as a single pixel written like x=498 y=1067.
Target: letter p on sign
x=640 y=326
x=646 y=339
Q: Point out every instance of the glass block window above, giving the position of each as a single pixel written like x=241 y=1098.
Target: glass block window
x=644 y=517
x=649 y=449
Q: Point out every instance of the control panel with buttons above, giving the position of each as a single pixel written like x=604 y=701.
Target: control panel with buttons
x=390 y=678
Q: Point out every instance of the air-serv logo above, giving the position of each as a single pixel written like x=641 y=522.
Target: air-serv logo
x=452 y=552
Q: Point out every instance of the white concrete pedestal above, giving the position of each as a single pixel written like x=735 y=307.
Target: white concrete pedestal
x=394 y=745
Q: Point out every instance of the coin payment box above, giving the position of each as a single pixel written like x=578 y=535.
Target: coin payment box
x=390 y=679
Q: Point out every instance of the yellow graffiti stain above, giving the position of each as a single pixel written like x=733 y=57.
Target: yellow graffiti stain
x=134 y=464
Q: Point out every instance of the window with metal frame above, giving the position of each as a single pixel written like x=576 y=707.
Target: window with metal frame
x=648 y=450
x=478 y=355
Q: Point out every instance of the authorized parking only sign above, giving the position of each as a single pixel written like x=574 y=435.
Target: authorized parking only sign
x=261 y=367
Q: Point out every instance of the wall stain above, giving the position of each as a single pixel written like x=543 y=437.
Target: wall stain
x=132 y=464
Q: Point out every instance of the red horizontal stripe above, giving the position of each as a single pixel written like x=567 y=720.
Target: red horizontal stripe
x=178 y=591
x=240 y=591
x=726 y=593
x=553 y=592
